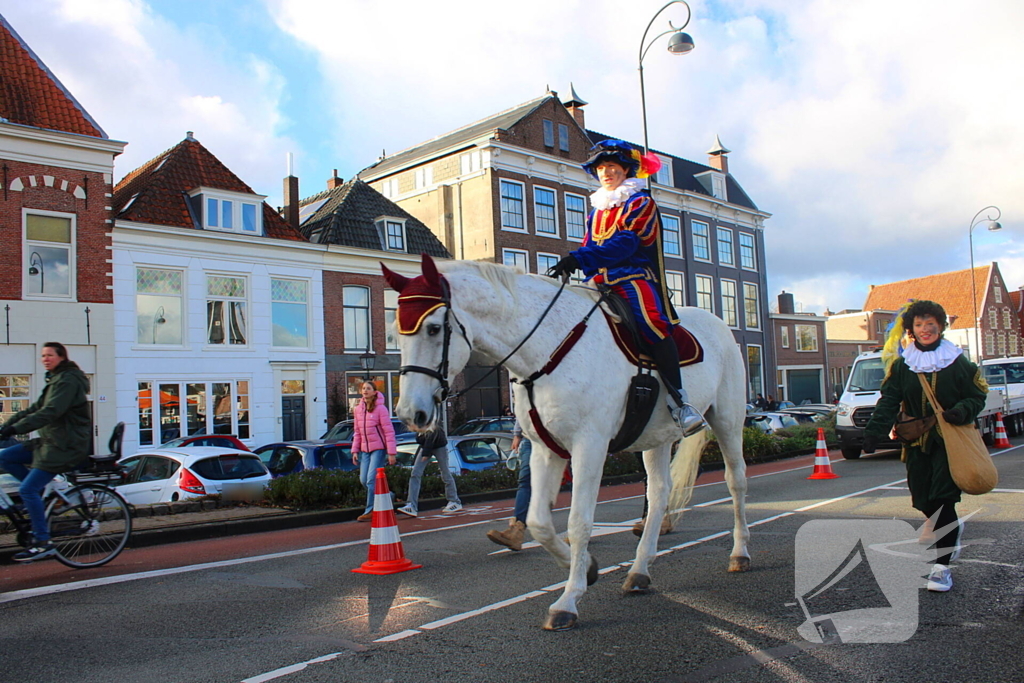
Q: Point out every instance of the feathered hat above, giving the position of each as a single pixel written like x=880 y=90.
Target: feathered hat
x=637 y=165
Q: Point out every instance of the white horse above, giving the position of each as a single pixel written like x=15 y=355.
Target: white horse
x=488 y=310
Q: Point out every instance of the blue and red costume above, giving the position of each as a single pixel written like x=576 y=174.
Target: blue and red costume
x=620 y=250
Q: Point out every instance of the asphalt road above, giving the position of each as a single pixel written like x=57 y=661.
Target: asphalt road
x=285 y=607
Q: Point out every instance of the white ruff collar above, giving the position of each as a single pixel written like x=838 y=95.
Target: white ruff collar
x=931 y=361
x=603 y=199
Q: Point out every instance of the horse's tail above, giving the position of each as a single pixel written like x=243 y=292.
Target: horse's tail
x=684 y=473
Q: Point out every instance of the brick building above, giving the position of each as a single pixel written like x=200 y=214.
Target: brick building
x=55 y=217
x=801 y=353
x=849 y=334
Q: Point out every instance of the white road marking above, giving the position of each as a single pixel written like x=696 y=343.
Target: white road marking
x=294 y=668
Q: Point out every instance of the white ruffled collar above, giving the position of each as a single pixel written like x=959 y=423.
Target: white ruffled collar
x=931 y=361
x=604 y=199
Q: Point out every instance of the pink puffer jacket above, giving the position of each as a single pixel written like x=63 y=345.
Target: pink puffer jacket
x=373 y=429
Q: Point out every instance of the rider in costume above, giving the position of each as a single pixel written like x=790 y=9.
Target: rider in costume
x=620 y=250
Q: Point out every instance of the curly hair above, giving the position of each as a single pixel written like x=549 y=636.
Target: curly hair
x=921 y=309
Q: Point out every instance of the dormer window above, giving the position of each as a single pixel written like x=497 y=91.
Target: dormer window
x=228 y=211
x=714 y=183
x=392 y=232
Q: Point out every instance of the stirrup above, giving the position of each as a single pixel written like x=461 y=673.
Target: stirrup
x=689 y=419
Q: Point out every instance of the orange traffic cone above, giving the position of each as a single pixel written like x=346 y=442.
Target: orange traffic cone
x=386 y=555
x=1001 y=440
x=822 y=465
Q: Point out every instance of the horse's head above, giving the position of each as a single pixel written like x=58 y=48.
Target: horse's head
x=433 y=344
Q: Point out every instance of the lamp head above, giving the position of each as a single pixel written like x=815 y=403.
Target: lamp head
x=32 y=270
x=680 y=43
x=993 y=225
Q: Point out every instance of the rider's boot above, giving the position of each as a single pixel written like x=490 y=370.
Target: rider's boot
x=666 y=358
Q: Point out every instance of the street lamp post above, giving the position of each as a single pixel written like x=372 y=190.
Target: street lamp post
x=35 y=267
x=992 y=224
x=368 y=360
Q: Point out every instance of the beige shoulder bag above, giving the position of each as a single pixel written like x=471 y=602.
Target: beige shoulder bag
x=969 y=460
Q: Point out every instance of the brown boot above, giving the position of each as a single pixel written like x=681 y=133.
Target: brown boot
x=666 y=526
x=511 y=538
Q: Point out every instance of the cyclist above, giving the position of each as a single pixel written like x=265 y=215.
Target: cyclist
x=61 y=416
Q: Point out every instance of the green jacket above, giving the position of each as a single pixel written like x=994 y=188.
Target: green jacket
x=62 y=417
x=959 y=385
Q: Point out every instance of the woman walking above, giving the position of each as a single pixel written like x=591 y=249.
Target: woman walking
x=959 y=388
x=373 y=436
x=61 y=416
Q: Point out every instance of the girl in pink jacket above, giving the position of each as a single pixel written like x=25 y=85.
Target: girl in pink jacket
x=372 y=437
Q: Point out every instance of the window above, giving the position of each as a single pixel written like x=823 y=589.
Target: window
x=676 y=286
x=755 y=371
x=718 y=186
x=544 y=211
x=880 y=324
x=725 y=256
x=563 y=137
x=664 y=174
x=356 y=317
x=389 y=188
x=512 y=205
x=423 y=177
x=14 y=394
x=49 y=252
x=751 y=307
x=549 y=133
x=806 y=337
x=993 y=318
x=701 y=248
x=289 y=312
x=225 y=310
x=990 y=342
x=235 y=215
x=575 y=217
x=515 y=258
x=545 y=261
x=158 y=306
x=1002 y=343
x=220 y=407
x=469 y=162
x=729 y=303
x=748 y=257
x=997 y=291
x=1007 y=319
x=705 y=292
x=784 y=336
x=394 y=233
x=670 y=236
x=390 y=313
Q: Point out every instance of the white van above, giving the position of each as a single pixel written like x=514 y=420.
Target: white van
x=863 y=389
x=1006 y=374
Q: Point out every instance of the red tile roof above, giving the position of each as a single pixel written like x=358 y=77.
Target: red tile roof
x=951 y=290
x=157 y=191
x=32 y=96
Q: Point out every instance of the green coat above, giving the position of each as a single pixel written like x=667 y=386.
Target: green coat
x=61 y=415
x=959 y=385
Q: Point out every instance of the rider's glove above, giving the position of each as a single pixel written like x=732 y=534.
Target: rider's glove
x=954 y=416
x=564 y=268
x=870 y=444
x=7 y=432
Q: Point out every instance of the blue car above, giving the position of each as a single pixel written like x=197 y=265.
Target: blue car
x=295 y=456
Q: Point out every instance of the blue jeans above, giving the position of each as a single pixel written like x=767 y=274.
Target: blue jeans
x=524 y=490
x=16 y=460
x=450 y=491
x=368 y=464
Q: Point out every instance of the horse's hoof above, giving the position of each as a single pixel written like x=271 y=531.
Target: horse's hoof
x=739 y=564
x=592 y=572
x=559 y=621
x=636 y=583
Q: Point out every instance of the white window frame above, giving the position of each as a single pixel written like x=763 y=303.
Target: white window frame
x=238 y=405
x=673 y=277
x=29 y=247
x=746 y=362
x=990 y=342
x=246 y=299
x=309 y=321
x=706 y=237
x=515 y=254
x=522 y=204
x=784 y=336
x=1007 y=319
x=997 y=292
x=545 y=261
x=383 y=223
x=181 y=296
x=554 y=211
x=238 y=200
x=993 y=318
x=718 y=186
x=719 y=231
x=664 y=174
x=723 y=286
x=753 y=251
x=582 y=213
x=799 y=339
x=390 y=314
x=666 y=219
x=345 y=308
x=699 y=294
x=757 y=306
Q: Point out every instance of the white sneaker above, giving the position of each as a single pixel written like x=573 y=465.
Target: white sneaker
x=408 y=510
x=940 y=580
x=955 y=555
x=452 y=507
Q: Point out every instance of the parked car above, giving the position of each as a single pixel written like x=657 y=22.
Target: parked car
x=485 y=424
x=468 y=453
x=168 y=474
x=342 y=431
x=294 y=456
x=820 y=410
x=220 y=440
x=772 y=422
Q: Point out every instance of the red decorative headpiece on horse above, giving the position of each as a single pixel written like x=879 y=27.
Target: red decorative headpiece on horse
x=418 y=297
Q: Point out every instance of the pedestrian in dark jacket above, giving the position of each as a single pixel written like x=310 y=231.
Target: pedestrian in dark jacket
x=431 y=444
x=61 y=416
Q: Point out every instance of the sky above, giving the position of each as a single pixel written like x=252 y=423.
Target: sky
x=872 y=131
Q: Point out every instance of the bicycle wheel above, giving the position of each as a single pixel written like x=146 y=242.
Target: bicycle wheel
x=93 y=529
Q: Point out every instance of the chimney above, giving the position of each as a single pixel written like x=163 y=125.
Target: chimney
x=575 y=105
x=291 y=197
x=786 y=304
x=334 y=181
x=717 y=158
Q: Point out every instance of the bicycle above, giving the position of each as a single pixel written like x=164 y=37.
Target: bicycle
x=90 y=523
